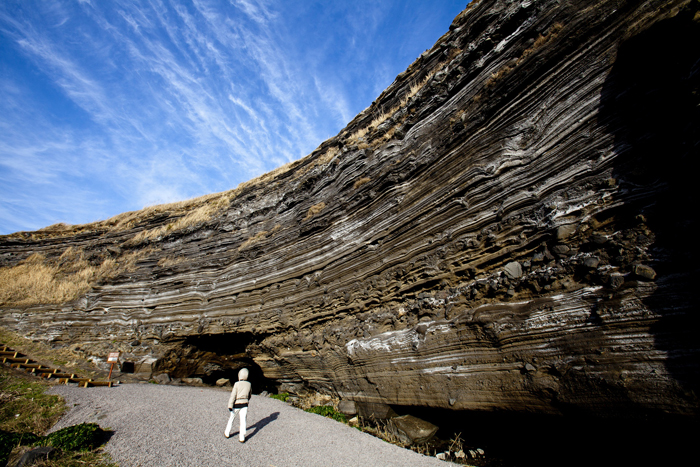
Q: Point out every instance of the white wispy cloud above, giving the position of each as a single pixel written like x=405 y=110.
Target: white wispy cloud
x=132 y=103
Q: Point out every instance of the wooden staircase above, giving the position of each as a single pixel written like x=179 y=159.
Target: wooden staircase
x=21 y=361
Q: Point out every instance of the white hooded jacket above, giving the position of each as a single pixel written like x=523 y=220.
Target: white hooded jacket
x=241 y=390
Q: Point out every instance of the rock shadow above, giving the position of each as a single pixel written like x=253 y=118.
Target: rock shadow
x=650 y=103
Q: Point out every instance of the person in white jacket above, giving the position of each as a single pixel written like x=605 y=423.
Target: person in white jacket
x=238 y=404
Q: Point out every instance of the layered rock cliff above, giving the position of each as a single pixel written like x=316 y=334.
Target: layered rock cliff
x=509 y=226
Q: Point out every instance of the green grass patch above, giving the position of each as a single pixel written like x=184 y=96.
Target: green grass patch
x=24 y=407
x=328 y=411
x=26 y=413
x=83 y=437
x=283 y=396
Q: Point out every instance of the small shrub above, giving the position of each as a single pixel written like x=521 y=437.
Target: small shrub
x=315 y=209
x=328 y=411
x=253 y=240
x=263 y=234
x=358 y=183
x=283 y=396
x=83 y=437
x=544 y=40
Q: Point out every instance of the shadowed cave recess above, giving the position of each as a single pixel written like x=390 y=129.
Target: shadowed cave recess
x=213 y=357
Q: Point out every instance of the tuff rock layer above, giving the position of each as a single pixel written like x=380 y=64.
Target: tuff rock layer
x=507 y=227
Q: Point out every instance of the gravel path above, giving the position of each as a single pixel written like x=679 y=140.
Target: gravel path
x=183 y=426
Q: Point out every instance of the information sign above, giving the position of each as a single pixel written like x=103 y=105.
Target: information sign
x=112 y=357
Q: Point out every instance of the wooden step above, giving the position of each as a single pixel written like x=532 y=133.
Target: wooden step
x=61 y=375
x=99 y=383
x=19 y=360
x=16 y=362
x=33 y=366
x=39 y=371
x=75 y=379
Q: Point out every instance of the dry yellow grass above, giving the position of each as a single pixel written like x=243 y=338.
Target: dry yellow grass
x=323 y=159
x=358 y=183
x=496 y=77
x=315 y=209
x=32 y=282
x=169 y=262
x=38 y=281
x=358 y=134
x=383 y=116
x=259 y=236
x=543 y=40
x=265 y=178
x=196 y=210
x=195 y=216
x=327 y=156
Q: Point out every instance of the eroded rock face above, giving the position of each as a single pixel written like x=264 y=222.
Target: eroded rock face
x=512 y=235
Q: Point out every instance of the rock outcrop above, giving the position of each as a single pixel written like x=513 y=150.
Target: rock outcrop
x=509 y=226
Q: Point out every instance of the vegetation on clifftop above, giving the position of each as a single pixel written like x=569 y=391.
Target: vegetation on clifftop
x=39 y=281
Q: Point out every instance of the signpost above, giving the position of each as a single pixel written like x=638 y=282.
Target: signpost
x=112 y=357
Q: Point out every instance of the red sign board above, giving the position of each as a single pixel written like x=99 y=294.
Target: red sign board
x=113 y=357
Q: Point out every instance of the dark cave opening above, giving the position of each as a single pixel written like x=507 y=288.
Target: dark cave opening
x=212 y=357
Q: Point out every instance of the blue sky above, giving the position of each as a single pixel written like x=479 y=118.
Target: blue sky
x=109 y=106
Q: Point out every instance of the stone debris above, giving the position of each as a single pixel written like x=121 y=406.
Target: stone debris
x=162 y=378
x=192 y=381
x=146 y=365
x=645 y=272
x=347 y=407
x=565 y=231
x=513 y=270
x=411 y=430
x=36 y=454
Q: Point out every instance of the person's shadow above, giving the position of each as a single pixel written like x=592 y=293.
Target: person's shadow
x=259 y=425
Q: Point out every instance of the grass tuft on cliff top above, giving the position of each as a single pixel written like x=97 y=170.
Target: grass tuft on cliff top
x=41 y=281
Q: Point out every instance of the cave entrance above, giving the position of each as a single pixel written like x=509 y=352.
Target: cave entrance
x=212 y=357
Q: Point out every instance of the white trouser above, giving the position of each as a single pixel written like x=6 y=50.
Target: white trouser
x=243 y=413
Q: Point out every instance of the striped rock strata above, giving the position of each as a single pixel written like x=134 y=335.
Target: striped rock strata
x=505 y=228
